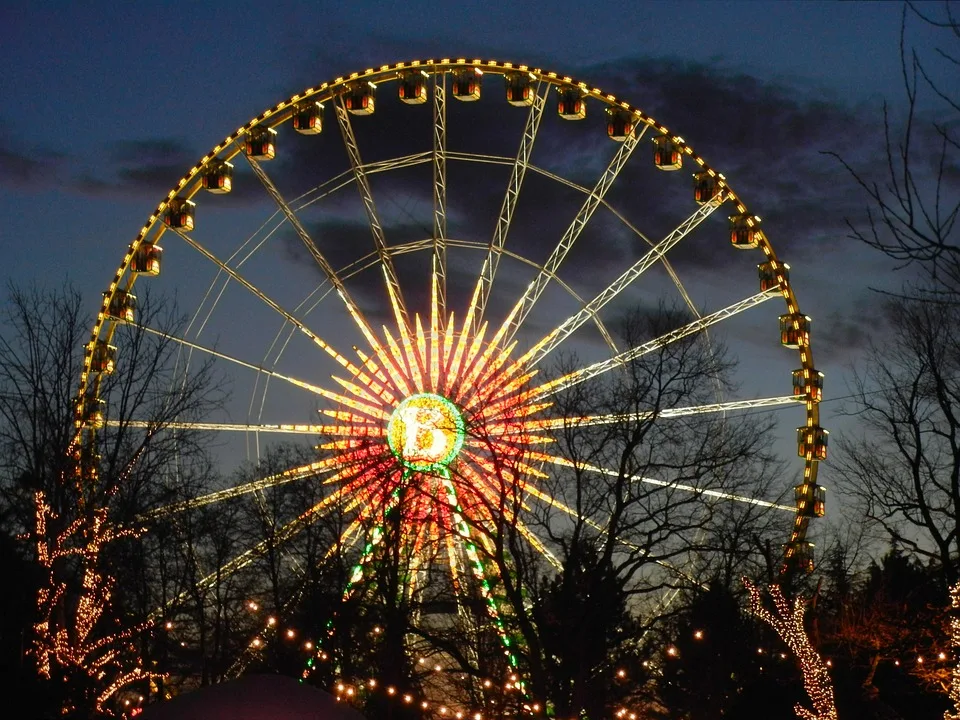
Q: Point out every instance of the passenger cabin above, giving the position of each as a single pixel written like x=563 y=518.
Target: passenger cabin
x=218 y=177
x=799 y=555
x=91 y=411
x=466 y=84
x=620 y=124
x=412 y=87
x=146 y=259
x=706 y=186
x=811 y=500
x=808 y=384
x=122 y=306
x=667 y=153
x=261 y=143
x=744 y=231
x=308 y=118
x=794 y=330
x=571 y=105
x=180 y=214
x=812 y=442
x=771 y=274
x=360 y=99
x=520 y=89
x=103 y=359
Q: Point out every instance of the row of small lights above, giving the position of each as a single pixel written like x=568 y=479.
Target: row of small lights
x=345 y=691
x=671 y=650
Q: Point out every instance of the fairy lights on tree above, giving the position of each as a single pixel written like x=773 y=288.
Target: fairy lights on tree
x=954 y=692
x=786 y=618
x=94 y=659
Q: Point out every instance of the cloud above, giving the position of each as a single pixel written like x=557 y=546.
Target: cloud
x=23 y=167
x=766 y=137
x=147 y=167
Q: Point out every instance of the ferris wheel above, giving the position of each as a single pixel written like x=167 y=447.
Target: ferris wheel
x=412 y=286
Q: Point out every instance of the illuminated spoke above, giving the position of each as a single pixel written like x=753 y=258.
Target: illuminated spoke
x=306 y=239
x=281 y=536
x=656 y=253
x=538 y=545
x=553 y=502
x=229 y=358
x=439 y=275
x=299 y=473
x=539 y=283
x=376 y=227
x=355 y=371
x=719 y=494
x=591 y=371
x=517 y=174
x=285 y=429
x=724 y=407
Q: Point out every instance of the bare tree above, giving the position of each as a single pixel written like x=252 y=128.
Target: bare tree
x=904 y=466
x=912 y=210
x=624 y=516
x=85 y=490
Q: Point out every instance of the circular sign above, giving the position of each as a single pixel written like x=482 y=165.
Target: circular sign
x=426 y=432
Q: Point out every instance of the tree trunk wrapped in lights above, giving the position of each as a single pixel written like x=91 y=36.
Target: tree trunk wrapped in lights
x=787 y=620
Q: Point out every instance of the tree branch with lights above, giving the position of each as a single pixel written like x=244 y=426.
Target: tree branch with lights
x=954 y=692
x=786 y=618
x=94 y=662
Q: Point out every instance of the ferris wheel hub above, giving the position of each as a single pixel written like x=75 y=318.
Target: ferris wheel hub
x=426 y=432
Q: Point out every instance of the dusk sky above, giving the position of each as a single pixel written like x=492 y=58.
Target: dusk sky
x=103 y=106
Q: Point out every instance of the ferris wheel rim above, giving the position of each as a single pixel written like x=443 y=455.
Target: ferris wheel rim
x=279 y=114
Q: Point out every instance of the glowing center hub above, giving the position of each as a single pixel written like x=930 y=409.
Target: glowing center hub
x=426 y=432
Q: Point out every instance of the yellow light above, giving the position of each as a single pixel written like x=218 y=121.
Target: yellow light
x=698 y=635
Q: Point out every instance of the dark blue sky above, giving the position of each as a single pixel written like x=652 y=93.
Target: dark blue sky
x=84 y=85
x=103 y=106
